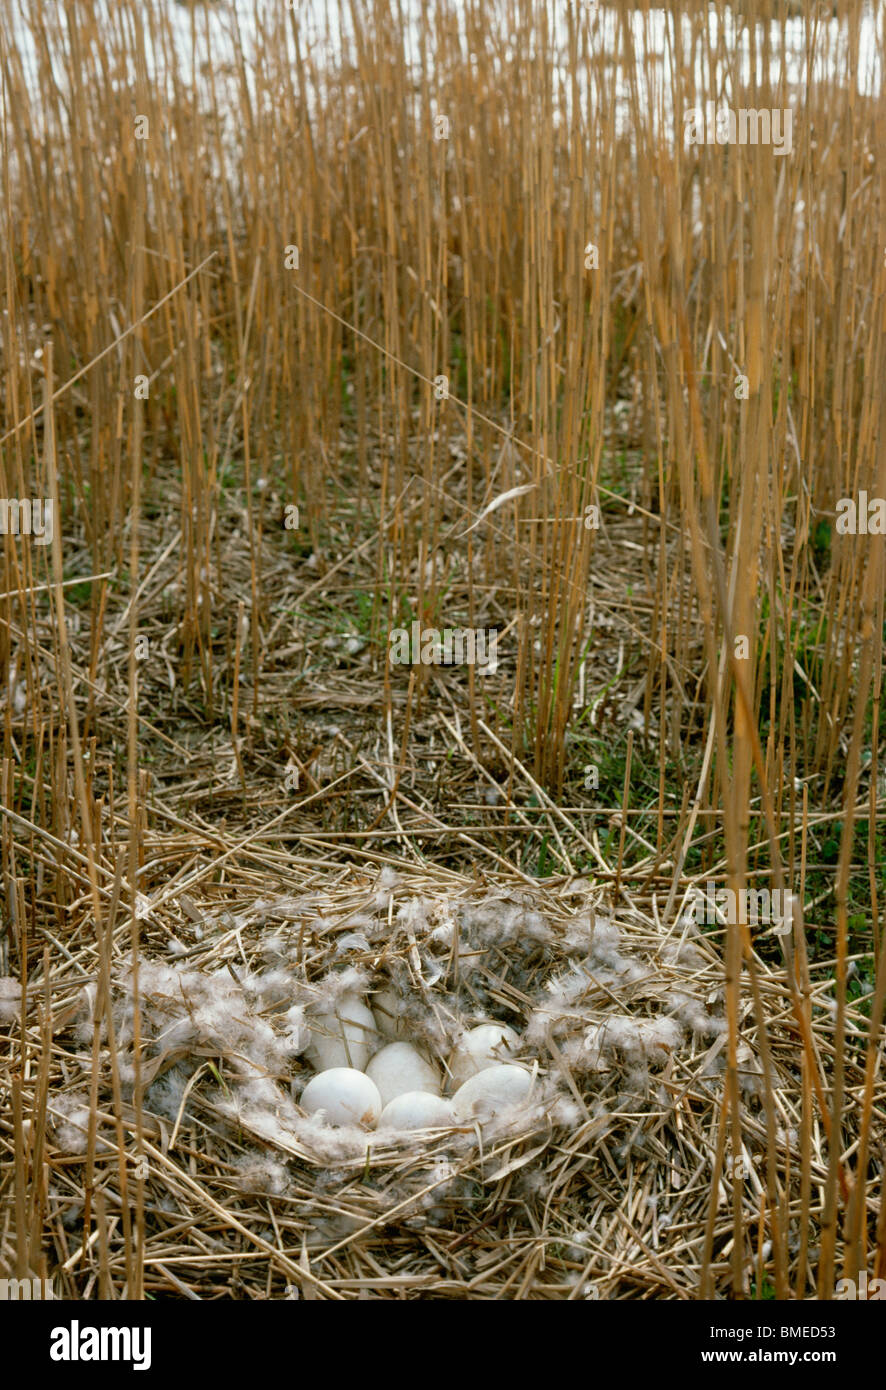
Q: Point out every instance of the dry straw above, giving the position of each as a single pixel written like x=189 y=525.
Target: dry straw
x=597 y=1187
x=236 y=291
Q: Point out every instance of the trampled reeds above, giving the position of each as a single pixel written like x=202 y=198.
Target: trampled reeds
x=321 y=325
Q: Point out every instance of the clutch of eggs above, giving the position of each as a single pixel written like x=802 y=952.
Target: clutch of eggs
x=397 y=1087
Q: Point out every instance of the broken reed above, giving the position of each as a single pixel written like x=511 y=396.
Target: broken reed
x=442 y=207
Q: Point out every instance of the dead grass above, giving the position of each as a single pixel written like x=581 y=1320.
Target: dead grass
x=200 y=710
x=599 y=1188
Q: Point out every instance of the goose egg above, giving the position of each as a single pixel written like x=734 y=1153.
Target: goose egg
x=400 y=1067
x=482 y=1047
x=387 y=1007
x=417 y=1110
x=345 y=1096
x=491 y=1091
x=342 y=1037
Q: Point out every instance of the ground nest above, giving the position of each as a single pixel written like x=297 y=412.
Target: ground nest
x=595 y=1185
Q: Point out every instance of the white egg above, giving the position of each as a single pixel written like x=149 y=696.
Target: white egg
x=400 y=1067
x=482 y=1047
x=344 y=1037
x=417 y=1110
x=491 y=1091
x=386 y=1005
x=345 y=1096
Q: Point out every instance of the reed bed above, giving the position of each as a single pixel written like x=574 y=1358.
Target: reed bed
x=444 y=321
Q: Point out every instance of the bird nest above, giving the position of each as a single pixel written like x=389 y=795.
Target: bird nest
x=596 y=1184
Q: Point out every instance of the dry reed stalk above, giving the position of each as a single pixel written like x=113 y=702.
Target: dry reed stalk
x=456 y=252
